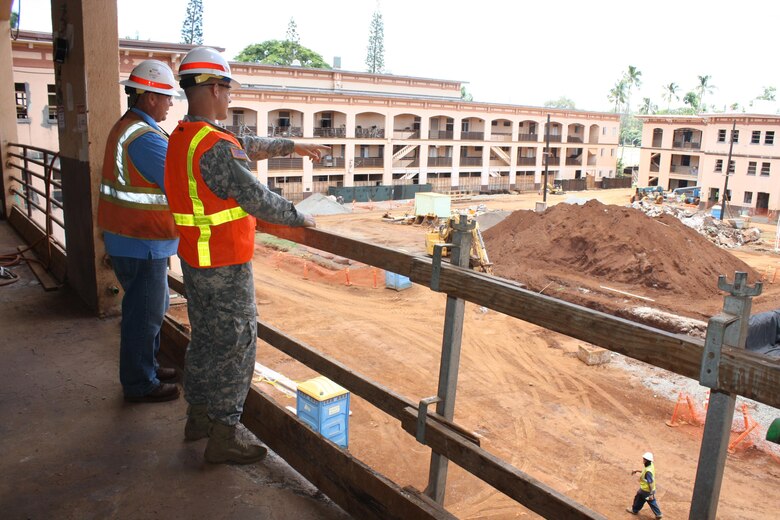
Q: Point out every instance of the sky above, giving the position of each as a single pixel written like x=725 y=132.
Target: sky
x=505 y=51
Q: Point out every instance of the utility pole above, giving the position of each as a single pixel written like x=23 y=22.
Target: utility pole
x=546 y=157
x=728 y=167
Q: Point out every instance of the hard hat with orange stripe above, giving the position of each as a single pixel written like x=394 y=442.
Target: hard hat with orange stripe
x=203 y=63
x=152 y=76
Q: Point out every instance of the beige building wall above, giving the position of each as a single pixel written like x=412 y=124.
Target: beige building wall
x=382 y=129
x=682 y=151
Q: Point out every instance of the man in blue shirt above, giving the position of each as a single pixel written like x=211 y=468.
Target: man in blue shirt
x=138 y=229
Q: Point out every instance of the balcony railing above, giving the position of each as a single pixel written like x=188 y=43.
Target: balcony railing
x=370 y=133
x=242 y=129
x=526 y=161
x=285 y=131
x=369 y=162
x=285 y=163
x=407 y=162
x=439 y=134
x=406 y=133
x=554 y=161
x=473 y=136
x=439 y=161
x=686 y=170
x=692 y=145
x=501 y=136
x=555 y=138
x=528 y=137
x=333 y=162
x=471 y=161
x=573 y=161
x=330 y=132
x=573 y=139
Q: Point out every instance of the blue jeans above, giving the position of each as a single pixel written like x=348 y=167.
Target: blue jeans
x=144 y=304
x=643 y=496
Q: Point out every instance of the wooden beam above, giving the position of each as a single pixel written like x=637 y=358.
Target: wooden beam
x=354 y=486
x=750 y=375
x=440 y=434
x=532 y=493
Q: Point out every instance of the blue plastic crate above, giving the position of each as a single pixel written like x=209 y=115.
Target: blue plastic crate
x=324 y=406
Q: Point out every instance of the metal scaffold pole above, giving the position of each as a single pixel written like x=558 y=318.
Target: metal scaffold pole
x=727 y=328
x=450 y=357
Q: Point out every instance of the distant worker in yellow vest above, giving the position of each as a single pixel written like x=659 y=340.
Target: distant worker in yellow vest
x=646 y=493
x=215 y=198
x=138 y=229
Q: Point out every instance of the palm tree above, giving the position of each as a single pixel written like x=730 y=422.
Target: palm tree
x=704 y=86
x=647 y=106
x=670 y=92
x=632 y=79
x=618 y=94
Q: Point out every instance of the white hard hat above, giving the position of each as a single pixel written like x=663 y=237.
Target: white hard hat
x=152 y=76
x=648 y=456
x=202 y=63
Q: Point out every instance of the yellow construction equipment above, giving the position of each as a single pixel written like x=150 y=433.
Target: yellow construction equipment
x=442 y=234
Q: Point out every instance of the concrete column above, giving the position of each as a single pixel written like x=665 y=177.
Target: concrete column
x=423 y=158
x=485 y=174
x=7 y=104
x=455 y=176
x=307 y=124
x=513 y=161
x=88 y=81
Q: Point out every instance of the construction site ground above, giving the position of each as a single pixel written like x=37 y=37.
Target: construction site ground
x=577 y=428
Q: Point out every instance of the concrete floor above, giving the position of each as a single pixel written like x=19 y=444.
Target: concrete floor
x=71 y=448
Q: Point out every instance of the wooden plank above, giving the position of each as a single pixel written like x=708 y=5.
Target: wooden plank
x=382 y=397
x=750 y=375
x=532 y=493
x=439 y=435
x=47 y=280
x=358 y=489
x=347 y=481
x=32 y=234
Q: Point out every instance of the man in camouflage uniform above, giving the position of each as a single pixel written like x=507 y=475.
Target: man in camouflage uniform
x=214 y=198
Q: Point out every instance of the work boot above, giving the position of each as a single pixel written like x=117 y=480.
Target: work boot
x=230 y=444
x=198 y=423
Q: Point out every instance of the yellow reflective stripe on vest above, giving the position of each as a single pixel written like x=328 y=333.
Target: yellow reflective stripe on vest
x=198 y=217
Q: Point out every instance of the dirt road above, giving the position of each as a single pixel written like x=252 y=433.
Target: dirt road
x=576 y=428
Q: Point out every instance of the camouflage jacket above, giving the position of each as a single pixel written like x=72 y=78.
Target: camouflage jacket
x=225 y=170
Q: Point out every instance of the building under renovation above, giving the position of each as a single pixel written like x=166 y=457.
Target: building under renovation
x=382 y=129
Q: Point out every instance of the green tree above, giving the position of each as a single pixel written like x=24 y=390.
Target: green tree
x=769 y=94
x=618 y=94
x=14 y=19
x=292 y=32
x=561 y=102
x=632 y=79
x=375 y=55
x=647 y=106
x=704 y=87
x=464 y=94
x=670 y=93
x=192 y=28
x=692 y=99
x=278 y=52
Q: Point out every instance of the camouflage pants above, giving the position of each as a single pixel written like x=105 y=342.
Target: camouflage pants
x=220 y=358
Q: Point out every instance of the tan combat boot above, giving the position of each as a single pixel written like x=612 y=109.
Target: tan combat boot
x=232 y=444
x=198 y=423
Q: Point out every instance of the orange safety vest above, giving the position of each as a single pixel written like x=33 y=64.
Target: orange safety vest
x=213 y=232
x=130 y=204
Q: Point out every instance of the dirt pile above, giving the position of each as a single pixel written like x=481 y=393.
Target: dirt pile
x=579 y=245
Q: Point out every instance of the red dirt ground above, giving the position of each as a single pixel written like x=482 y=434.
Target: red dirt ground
x=576 y=428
